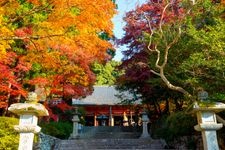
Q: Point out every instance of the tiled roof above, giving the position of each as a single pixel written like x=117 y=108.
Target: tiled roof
x=103 y=95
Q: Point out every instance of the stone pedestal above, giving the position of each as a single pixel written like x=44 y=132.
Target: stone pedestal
x=28 y=113
x=208 y=125
x=145 y=121
x=75 y=133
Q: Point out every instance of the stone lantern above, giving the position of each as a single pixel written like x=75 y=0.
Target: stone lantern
x=28 y=113
x=207 y=123
x=75 y=119
x=145 y=121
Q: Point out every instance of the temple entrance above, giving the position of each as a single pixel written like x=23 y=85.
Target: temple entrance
x=89 y=120
x=103 y=120
x=118 y=120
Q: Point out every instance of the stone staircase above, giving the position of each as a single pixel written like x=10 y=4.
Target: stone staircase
x=110 y=144
x=109 y=133
x=110 y=138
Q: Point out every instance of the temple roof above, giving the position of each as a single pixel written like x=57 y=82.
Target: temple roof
x=103 y=95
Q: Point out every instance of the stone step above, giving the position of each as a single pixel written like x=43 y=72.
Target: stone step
x=111 y=135
x=83 y=144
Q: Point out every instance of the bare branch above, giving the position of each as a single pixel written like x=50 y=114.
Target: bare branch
x=161 y=19
x=156 y=73
x=158 y=58
x=151 y=34
x=34 y=44
x=166 y=50
x=171 y=86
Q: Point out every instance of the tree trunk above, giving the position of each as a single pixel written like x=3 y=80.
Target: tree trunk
x=7 y=101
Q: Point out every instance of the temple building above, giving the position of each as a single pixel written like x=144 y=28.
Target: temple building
x=104 y=107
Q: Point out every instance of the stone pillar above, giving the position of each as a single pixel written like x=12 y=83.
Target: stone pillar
x=75 y=120
x=27 y=127
x=208 y=125
x=28 y=113
x=145 y=121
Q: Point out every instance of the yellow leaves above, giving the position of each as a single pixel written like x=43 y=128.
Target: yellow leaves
x=4 y=44
x=1 y=16
x=5 y=32
x=78 y=79
x=74 y=74
x=2 y=50
x=8 y=7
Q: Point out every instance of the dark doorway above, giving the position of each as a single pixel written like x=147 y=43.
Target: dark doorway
x=118 y=121
x=89 y=120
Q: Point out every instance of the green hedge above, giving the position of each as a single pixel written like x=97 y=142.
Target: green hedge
x=9 y=138
x=175 y=126
x=59 y=129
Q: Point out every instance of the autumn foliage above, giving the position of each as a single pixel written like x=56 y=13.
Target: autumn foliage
x=52 y=43
x=162 y=38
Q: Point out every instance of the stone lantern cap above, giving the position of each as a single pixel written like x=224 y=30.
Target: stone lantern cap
x=28 y=108
x=214 y=106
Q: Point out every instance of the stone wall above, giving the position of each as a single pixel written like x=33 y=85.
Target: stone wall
x=46 y=142
x=187 y=143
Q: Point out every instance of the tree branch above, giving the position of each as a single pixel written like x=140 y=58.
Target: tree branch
x=166 y=51
x=35 y=37
x=161 y=19
x=173 y=87
x=175 y=40
x=32 y=11
x=156 y=73
x=152 y=32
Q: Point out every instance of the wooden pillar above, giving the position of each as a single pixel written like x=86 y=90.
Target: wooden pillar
x=95 y=120
x=125 y=119
x=111 y=120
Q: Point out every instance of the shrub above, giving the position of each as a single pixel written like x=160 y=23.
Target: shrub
x=175 y=126
x=9 y=137
x=60 y=130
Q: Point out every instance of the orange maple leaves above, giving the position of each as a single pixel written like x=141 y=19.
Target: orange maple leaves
x=60 y=36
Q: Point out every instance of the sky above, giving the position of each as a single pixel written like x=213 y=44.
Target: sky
x=123 y=7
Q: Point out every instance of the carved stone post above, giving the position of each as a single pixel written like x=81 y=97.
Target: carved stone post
x=145 y=121
x=28 y=113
